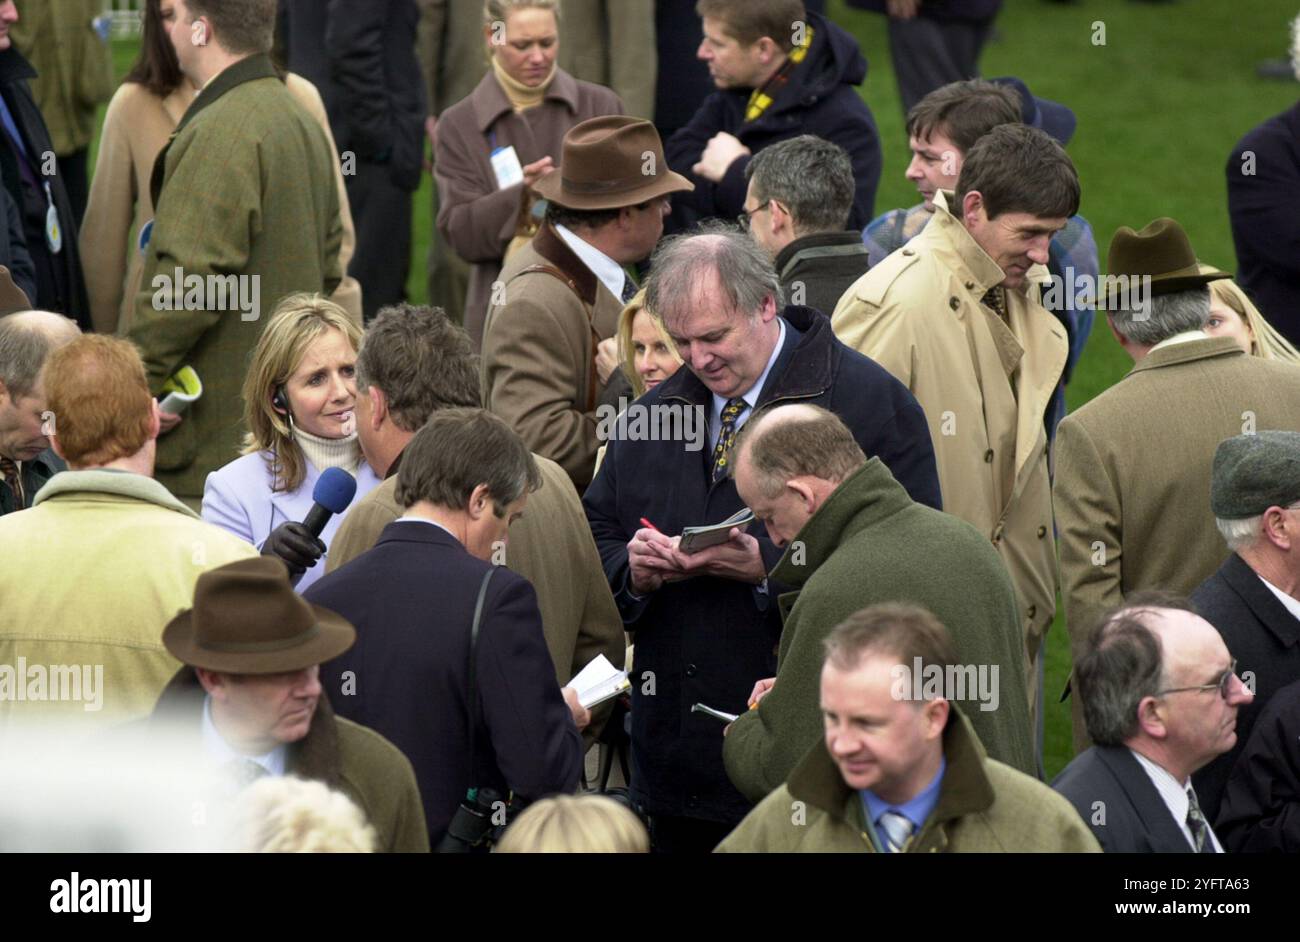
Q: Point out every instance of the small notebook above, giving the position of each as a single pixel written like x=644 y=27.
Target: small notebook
x=695 y=539
x=599 y=681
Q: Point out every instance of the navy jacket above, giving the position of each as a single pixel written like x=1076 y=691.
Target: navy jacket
x=1264 y=638
x=969 y=10
x=707 y=640
x=59 y=285
x=819 y=99
x=1114 y=795
x=411 y=599
x=361 y=58
x=1264 y=209
x=1260 y=810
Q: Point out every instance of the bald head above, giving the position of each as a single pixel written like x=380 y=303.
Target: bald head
x=788 y=463
x=26 y=341
x=797 y=441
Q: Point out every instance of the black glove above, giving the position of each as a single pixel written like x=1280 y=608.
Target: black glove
x=293 y=543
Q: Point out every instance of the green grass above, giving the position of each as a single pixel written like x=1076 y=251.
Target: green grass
x=1160 y=106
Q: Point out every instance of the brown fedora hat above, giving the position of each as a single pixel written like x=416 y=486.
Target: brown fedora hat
x=12 y=297
x=1162 y=252
x=247 y=619
x=608 y=163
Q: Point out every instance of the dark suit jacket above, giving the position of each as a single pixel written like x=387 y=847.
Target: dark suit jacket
x=411 y=599
x=1264 y=638
x=361 y=57
x=1108 y=780
x=1260 y=810
x=58 y=281
x=1264 y=209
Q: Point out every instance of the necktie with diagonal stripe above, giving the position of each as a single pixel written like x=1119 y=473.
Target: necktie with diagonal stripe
x=13 y=480
x=731 y=412
x=1197 y=824
x=897 y=829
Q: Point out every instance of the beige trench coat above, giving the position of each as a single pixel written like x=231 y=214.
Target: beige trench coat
x=918 y=314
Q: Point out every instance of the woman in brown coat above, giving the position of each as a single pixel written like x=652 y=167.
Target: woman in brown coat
x=520 y=113
x=141 y=117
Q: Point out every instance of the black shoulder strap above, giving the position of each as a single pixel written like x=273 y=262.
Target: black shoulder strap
x=473 y=665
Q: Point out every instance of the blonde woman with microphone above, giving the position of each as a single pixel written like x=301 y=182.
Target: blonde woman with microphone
x=299 y=399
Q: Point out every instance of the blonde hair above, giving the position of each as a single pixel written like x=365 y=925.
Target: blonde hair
x=1266 y=341
x=626 y=352
x=494 y=10
x=286 y=815
x=294 y=324
x=582 y=824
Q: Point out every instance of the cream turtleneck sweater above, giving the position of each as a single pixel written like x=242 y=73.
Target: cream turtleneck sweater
x=325 y=453
x=522 y=97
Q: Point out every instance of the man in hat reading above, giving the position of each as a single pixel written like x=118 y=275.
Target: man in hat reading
x=251 y=694
x=1133 y=466
x=560 y=295
x=1254 y=598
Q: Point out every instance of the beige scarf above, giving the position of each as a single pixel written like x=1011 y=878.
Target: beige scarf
x=522 y=97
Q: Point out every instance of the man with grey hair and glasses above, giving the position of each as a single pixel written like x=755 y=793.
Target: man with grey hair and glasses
x=706 y=622
x=1160 y=696
x=1254 y=598
x=1133 y=466
x=797 y=206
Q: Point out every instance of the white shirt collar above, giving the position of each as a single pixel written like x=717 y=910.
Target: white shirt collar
x=1185 y=337
x=609 y=272
x=219 y=751
x=751 y=397
x=1174 y=796
x=1292 y=604
x=433 y=523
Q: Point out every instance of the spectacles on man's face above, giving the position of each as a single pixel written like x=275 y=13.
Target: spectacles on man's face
x=747 y=214
x=1223 y=684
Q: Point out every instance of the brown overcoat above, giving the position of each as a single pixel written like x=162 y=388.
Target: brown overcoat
x=1132 y=474
x=539 y=350
x=475 y=216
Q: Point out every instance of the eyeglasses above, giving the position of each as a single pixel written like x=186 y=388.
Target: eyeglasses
x=1222 y=684
x=746 y=214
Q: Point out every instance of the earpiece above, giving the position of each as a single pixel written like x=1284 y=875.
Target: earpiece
x=280 y=402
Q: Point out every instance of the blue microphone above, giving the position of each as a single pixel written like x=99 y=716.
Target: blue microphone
x=332 y=494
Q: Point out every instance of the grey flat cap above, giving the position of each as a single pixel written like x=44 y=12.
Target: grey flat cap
x=1255 y=472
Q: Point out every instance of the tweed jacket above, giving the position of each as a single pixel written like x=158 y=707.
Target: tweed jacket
x=246 y=188
x=551 y=546
x=539 y=348
x=984 y=807
x=605 y=42
x=870 y=543
x=476 y=217
x=90 y=575
x=74 y=66
x=136 y=128
x=985 y=385
x=1132 y=476
x=343 y=755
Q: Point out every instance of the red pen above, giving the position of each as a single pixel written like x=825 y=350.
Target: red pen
x=647 y=523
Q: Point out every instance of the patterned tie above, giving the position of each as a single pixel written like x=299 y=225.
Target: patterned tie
x=630 y=288
x=726 y=437
x=1197 y=824
x=13 y=480
x=897 y=829
x=993 y=299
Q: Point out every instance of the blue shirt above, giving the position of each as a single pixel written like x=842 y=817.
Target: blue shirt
x=916 y=810
x=220 y=752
